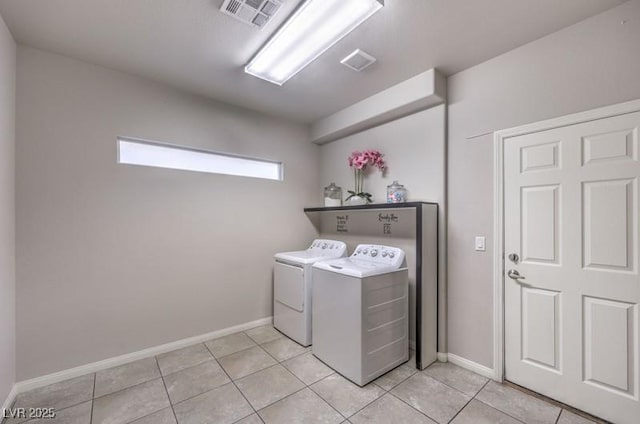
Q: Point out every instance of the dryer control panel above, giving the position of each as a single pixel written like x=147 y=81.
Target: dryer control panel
x=387 y=255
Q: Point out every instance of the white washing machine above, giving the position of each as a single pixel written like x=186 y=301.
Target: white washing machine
x=361 y=312
x=292 y=287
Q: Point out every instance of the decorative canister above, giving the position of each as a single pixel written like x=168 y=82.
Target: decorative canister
x=396 y=193
x=332 y=195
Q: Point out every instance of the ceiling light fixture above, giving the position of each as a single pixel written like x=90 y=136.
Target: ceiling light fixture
x=314 y=27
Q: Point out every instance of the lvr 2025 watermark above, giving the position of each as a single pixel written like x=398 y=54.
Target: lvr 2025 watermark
x=29 y=413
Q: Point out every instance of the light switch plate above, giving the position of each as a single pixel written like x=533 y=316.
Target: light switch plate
x=481 y=244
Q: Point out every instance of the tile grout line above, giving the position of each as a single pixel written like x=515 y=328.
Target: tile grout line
x=273 y=357
x=306 y=386
x=499 y=410
x=333 y=373
x=493 y=407
x=474 y=397
x=271 y=366
x=232 y=353
x=555 y=403
x=468 y=402
x=295 y=356
x=232 y=382
x=183 y=369
x=323 y=399
x=443 y=383
x=126 y=388
x=395 y=385
x=242 y=350
x=268 y=353
x=291 y=357
x=277 y=363
x=358 y=411
x=454 y=388
x=385 y=392
x=268 y=341
x=410 y=406
x=314 y=392
x=287 y=396
x=93 y=396
x=166 y=390
x=160 y=376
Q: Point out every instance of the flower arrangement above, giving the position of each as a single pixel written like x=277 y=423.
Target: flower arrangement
x=360 y=162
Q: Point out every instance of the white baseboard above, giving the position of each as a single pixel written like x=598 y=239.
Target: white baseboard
x=10 y=398
x=443 y=357
x=45 y=380
x=471 y=366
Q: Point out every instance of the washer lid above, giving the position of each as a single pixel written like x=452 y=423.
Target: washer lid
x=356 y=267
x=319 y=250
x=302 y=257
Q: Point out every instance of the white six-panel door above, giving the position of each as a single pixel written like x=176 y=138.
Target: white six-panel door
x=571 y=216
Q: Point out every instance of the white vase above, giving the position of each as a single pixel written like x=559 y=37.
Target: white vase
x=357 y=201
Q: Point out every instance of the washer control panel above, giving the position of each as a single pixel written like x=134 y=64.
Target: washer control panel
x=380 y=254
x=331 y=248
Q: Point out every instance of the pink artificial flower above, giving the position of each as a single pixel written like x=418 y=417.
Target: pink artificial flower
x=360 y=160
x=353 y=158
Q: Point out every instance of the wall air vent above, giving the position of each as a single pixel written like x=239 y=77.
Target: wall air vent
x=358 y=60
x=253 y=12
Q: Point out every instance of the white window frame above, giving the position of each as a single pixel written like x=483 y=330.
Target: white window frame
x=201 y=167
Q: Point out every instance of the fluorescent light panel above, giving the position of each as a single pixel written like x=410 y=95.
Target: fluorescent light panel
x=310 y=31
x=147 y=153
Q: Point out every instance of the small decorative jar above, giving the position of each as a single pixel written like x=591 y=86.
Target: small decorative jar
x=332 y=195
x=396 y=193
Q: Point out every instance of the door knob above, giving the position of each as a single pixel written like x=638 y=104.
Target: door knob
x=515 y=275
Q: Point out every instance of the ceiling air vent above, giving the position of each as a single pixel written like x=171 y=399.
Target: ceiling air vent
x=253 y=12
x=358 y=60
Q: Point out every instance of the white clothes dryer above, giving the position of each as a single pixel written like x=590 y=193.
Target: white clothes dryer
x=292 y=287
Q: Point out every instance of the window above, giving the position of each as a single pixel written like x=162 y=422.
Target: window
x=148 y=153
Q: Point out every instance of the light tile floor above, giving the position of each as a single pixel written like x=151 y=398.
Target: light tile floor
x=261 y=376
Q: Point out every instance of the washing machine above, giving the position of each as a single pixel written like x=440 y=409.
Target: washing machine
x=361 y=312
x=292 y=287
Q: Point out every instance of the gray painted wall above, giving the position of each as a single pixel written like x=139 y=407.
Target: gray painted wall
x=588 y=65
x=415 y=151
x=7 y=212
x=112 y=258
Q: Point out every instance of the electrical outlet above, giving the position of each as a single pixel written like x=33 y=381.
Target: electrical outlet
x=481 y=244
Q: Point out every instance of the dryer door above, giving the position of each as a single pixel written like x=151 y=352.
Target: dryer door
x=288 y=286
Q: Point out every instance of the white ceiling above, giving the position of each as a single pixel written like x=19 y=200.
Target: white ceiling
x=191 y=45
